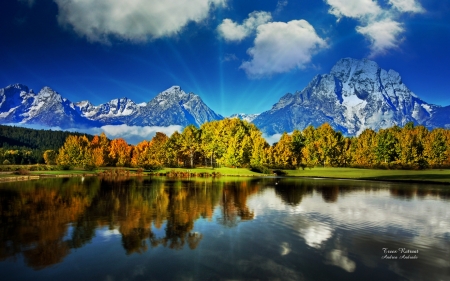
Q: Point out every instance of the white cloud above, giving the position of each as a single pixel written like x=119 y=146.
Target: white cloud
x=407 y=6
x=132 y=134
x=280 y=47
x=383 y=35
x=272 y=139
x=280 y=6
x=232 y=31
x=135 y=20
x=380 y=26
x=136 y=134
x=353 y=8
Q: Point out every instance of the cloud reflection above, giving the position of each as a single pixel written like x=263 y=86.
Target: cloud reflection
x=338 y=258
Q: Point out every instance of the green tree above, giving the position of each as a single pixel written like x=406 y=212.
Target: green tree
x=190 y=142
x=386 y=149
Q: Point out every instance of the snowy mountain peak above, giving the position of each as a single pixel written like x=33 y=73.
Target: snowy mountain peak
x=243 y=116
x=171 y=107
x=355 y=95
x=18 y=86
x=348 y=69
x=47 y=94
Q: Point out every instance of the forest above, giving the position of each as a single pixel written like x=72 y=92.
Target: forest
x=27 y=146
x=237 y=143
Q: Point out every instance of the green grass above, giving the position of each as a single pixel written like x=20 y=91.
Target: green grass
x=61 y=172
x=436 y=175
x=222 y=171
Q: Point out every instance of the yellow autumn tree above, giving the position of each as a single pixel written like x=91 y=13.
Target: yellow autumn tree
x=50 y=157
x=120 y=152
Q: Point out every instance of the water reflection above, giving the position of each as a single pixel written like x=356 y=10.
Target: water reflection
x=260 y=229
x=37 y=215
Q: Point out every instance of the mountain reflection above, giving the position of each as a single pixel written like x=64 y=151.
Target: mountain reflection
x=44 y=220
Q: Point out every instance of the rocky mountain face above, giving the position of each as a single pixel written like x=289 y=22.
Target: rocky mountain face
x=48 y=108
x=246 y=117
x=174 y=107
x=18 y=104
x=355 y=95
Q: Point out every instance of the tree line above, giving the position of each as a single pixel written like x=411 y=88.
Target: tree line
x=26 y=146
x=237 y=143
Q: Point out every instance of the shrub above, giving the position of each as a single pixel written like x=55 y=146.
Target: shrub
x=260 y=169
x=279 y=172
x=22 y=172
x=64 y=167
x=6 y=162
x=89 y=167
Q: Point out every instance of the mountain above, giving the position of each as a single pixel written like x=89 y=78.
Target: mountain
x=21 y=105
x=114 y=112
x=355 y=95
x=174 y=107
x=246 y=117
x=18 y=104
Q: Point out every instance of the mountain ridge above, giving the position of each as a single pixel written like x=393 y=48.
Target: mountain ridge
x=19 y=104
x=355 y=95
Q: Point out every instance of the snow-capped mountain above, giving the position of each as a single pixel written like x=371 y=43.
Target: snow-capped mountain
x=114 y=112
x=174 y=107
x=48 y=108
x=357 y=94
x=18 y=104
x=246 y=117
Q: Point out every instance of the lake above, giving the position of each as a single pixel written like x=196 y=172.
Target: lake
x=225 y=229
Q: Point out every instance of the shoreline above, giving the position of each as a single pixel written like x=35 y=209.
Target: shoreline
x=46 y=176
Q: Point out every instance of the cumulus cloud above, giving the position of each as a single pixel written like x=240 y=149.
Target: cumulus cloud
x=380 y=26
x=232 y=31
x=280 y=47
x=135 y=20
x=353 y=8
x=407 y=6
x=383 y=35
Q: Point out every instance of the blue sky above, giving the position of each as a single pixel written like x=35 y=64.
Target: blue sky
x=239 y=56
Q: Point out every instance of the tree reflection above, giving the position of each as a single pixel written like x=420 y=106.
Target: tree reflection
x=43 y=220
x=292 y=192
x=234 y=202
x=37 y=216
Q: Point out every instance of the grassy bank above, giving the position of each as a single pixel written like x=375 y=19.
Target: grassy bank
x=223 y=171
x=434 y=175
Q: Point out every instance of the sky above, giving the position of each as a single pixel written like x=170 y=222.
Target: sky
x=237 y=55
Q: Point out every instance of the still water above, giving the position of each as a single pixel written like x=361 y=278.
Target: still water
x=228 y=229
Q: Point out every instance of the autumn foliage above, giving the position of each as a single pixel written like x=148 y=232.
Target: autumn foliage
x=237 y=143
